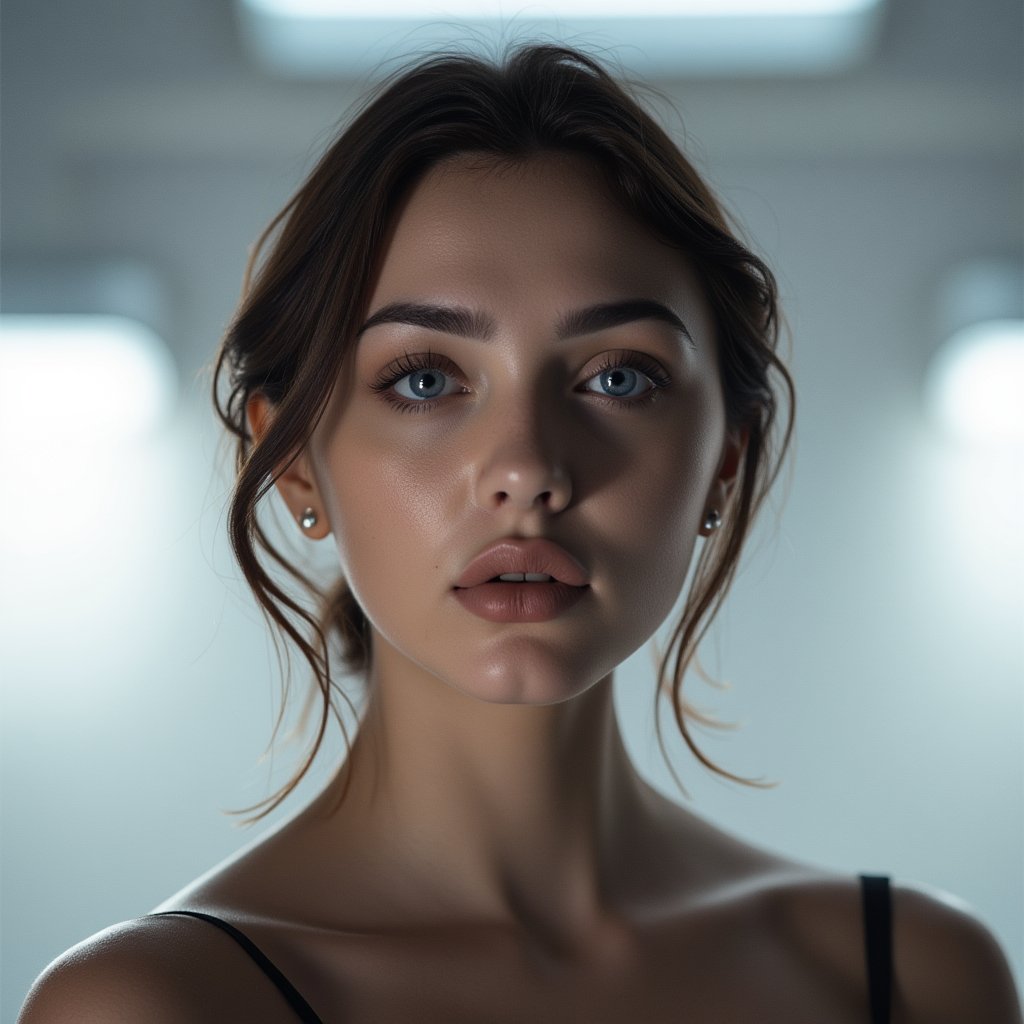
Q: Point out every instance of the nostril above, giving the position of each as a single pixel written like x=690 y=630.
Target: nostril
x=506 y=485
x=544 y=499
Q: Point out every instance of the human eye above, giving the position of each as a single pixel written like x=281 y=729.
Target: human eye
x=413 y=383
x=627 y=378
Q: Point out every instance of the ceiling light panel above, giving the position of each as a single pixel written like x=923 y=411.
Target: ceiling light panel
x=338 y=38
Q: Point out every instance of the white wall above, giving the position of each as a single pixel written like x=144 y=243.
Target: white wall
x=874 y=640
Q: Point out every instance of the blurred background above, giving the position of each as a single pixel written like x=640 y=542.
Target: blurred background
x=874 y=641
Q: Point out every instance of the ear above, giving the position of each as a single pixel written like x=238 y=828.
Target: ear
x=296 y=484
x=733 y=450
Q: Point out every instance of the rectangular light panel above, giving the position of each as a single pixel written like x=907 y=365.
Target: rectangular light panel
x=670 y=38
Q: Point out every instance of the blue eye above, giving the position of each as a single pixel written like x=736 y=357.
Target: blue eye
x=620 y=381
x=423 y=384
x=412 y=382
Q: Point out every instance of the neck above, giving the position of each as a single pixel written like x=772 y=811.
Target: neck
x=526 y=815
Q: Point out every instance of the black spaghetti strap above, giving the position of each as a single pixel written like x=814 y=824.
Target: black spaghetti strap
x=878 y=944
x=286 y=988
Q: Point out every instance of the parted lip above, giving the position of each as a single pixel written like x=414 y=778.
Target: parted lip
x=535 y=555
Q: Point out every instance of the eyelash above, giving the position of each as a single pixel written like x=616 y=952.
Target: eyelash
x=402 y=367
x=408 y=364
x=652 y=370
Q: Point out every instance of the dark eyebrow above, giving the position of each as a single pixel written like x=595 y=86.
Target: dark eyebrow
x=450 y=319
x=613 y=314
x=467 y=323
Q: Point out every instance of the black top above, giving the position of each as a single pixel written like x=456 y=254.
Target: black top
x=877 y=944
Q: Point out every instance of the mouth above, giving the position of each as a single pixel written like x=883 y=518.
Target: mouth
x=531 y=562
x=523 y=577
x=522 y=580
x=519 y=600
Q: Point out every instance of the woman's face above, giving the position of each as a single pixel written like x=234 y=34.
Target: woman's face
x=516 y=420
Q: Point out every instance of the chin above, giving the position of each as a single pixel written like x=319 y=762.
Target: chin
x=528 y=676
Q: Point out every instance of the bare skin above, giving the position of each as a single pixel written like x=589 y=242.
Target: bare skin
x=498 y=858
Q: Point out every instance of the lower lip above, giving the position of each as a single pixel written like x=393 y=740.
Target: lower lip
x=519 y=602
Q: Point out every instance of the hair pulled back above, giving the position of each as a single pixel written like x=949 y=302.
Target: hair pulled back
x=293 y=332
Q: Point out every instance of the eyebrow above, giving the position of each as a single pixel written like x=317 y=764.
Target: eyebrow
x=469 y=323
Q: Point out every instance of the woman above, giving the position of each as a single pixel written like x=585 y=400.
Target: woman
x=521 y=259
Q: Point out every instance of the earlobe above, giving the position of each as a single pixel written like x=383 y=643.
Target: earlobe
x=295 y=483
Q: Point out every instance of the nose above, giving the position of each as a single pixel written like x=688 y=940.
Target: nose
x=523 y=472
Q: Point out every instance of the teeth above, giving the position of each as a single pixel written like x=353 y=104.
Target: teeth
x=525 y=577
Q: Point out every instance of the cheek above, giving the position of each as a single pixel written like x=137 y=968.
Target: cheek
x=653 y=526
x=661 y=502
x=387 y=511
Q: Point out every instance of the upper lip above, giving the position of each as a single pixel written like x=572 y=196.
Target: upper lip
x=535 y=555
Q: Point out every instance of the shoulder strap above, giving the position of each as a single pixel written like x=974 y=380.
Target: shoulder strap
x=878 y=944
x=286 y=988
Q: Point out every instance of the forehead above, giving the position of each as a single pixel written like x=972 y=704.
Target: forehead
x=546 y=229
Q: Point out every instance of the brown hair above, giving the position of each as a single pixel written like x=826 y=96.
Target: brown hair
x=292 y=334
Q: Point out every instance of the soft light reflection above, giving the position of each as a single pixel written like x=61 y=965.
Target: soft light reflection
x=83 y=380
x=92 y=477
x=976 y=382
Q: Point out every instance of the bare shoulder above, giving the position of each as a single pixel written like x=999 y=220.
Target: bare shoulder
x=157 y=970
x=948 y=964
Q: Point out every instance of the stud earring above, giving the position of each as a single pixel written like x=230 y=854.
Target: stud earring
x=308 y=519
x=713 y=520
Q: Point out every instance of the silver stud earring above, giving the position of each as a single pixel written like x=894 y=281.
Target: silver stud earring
x=308 y=519
x=713 y=520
